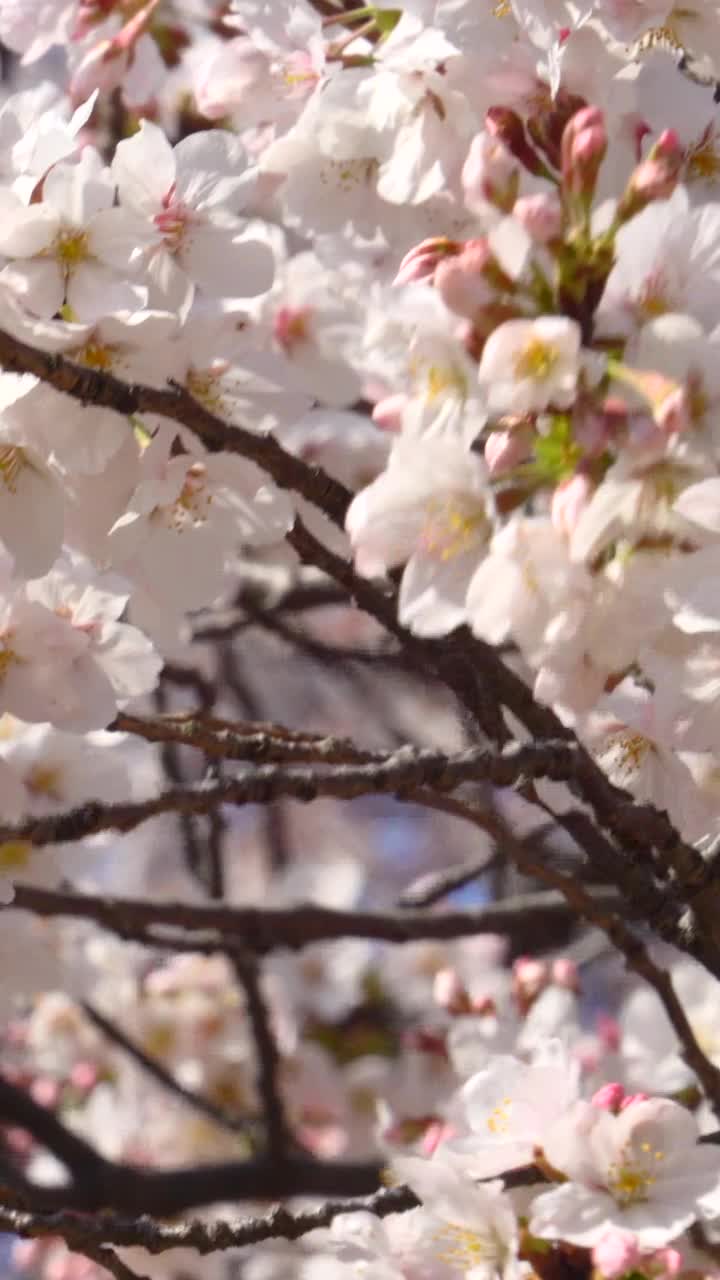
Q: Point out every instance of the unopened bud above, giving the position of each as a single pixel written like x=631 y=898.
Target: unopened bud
x=631 y=1098
x=421 y=261
x=541 y=215
x=582 y=120
x=388 y=412
x=569 y=500
x=615 y=1253
x=506 y=125
x=609 y=1098
x=507 y=449
x=450 y=992
x=468 y=282
x=565 y=973
x=583 y=148
x=529 y=978
x=655 y=178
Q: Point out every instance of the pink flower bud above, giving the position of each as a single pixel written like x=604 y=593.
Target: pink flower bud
x=565 y=973
x=609 y=1097
x=437 y=1132
x=529 y=978
x=506 y=449
x=450 y=992
x=506 y=126
x=420 y=262
x=45 y=1091
x=568 y=503
x=583 y=151
x=462 y=285
x=655 y=178
x=484 y=1006
x=541 y=215
x=579 y=122
x=388 y=412
x=84 y=1076
x=616 y=1253
x=631 y=1098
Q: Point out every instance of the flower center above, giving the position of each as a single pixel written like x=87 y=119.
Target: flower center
x=45 y=781
x=71 y=248
x=702 y=161
x=538 y=360
x=173 y=220
x=192 y=505
x=623 y=754
x=204 y=385
x=8 y=656
x=15 y=854
x=499 y=1119
x=629 y=1181
x=452 y=526
x=467 y=1248
x=95 y=355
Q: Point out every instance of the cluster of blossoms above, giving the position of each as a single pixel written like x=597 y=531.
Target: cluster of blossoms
x=468 y=259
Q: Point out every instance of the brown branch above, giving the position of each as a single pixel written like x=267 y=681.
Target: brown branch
x=403 y=773
x=92 y=387
x=261 y=743
x=263 y=929
x=18 y=1108
x=277 y=1132
x=204 y=1237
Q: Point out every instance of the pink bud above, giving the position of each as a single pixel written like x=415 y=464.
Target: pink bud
x=506 y=449
x=420 y=262
x=45 y=1091
x=462 y=286
x=568 y=503
x=388 y=412
x=437 y=1132
x=484 y=1006
x=655 y=178
x=631 y=1098
x=615 y=1253
x=541 y=215
x=585 y=118
x=583 y=156
x=565 y=973
x=529 y=978
x=84 y=1076
x=609 y=1097
x=450 y=992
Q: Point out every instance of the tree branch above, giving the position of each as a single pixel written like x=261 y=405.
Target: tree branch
x=404 y=774
x=93 y=387
x=263 y=929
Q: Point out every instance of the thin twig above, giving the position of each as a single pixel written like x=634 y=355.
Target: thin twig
x=158 y=1072
x=277 y=1132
